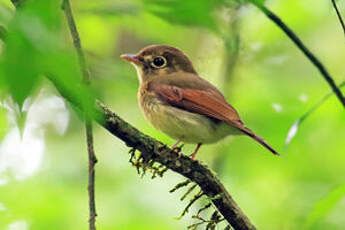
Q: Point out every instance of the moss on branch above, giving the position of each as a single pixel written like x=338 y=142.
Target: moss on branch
x=153 y=150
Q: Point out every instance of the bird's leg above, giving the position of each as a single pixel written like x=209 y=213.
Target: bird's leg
x=175 y=144
x=192 y=156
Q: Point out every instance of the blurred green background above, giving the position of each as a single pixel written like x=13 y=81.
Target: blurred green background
x=43 y=167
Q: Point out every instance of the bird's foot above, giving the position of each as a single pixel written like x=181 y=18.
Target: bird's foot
x=192 y=156
x=175 y=144
x=177 y=149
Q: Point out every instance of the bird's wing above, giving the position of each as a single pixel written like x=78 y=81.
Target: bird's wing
x=205 y=102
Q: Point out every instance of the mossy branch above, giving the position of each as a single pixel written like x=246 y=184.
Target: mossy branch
x=154 y=150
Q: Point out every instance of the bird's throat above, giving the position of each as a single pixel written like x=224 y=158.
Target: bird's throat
x=140 y=73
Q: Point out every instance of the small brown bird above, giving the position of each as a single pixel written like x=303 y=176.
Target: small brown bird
x=180 y=103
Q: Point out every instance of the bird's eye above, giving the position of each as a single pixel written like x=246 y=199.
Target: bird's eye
x=159 y=62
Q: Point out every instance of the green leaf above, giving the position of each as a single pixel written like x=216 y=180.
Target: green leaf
x=5 y=14
x=256 y=2
x=20 y=69
x=64 y=71
x=192 y=13
x=324 y=206
x=30 y=37
x=34 y=48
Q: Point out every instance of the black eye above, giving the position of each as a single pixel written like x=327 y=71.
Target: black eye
x=159 y=62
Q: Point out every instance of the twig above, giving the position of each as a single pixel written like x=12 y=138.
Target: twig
x=88 y=123
x=317 y=63
x=66 y=7
x=317 y=105
x=91 y=179
x=339 y=15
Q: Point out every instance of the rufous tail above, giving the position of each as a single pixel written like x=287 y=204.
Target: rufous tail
x=258 y=139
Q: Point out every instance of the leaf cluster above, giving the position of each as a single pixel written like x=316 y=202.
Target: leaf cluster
x=34 y=47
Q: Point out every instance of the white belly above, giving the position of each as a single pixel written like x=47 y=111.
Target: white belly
x=186 y=126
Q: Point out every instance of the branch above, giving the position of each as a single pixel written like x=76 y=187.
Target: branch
x=157 y=151
x=339 y=15
x=316 y=62
x=88 y=123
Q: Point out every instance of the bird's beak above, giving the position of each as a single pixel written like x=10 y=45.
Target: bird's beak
x=131 y=57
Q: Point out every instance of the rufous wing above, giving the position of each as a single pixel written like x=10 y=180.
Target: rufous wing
x=205 y=102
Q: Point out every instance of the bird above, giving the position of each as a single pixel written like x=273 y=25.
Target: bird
x=181 y=104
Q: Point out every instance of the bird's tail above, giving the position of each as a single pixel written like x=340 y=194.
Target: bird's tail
x=250 y=133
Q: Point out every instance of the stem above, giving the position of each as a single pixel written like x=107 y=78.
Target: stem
x=91 y=180
x=88 y=123
x=318 y=104
x=339 y=15
x=298 y=42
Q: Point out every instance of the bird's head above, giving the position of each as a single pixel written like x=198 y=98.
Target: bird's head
x=159 y=61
